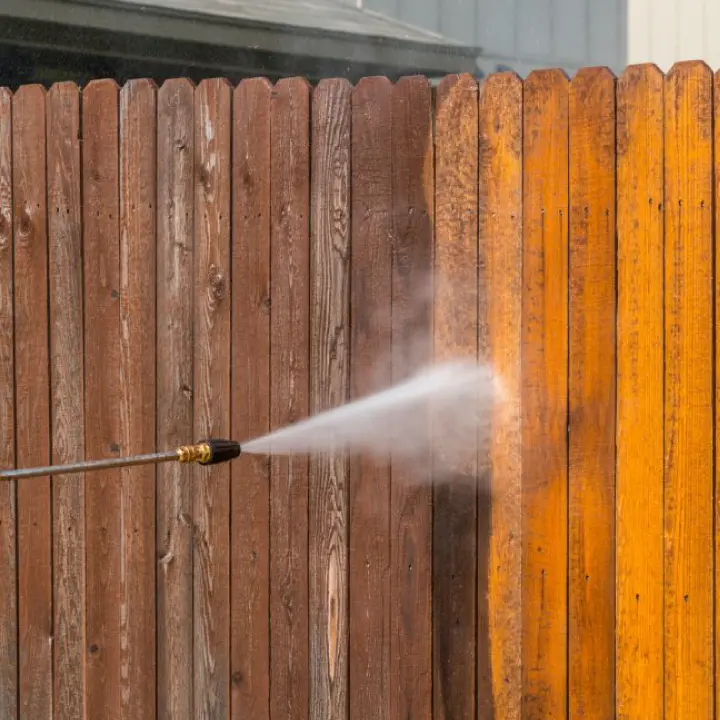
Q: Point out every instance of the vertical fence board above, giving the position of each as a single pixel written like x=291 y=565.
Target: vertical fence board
x=639 y=500
x=289 y=379
x=138 y=189
x=329 y=370
x=499 y=319
x=456 y=543
x=101 y=251
x=8 y=535
x=688 y=393
x=370 y=369
x=32 y=387
x=412 y=346
x=67 y=384
x=211 y=486
x=251 y=399
x=175 y=244
x=591 y=494
x=544 y=413
x=716 y=267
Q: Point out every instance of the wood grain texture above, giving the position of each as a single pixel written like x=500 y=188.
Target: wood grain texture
x=591 y=397
x=544 y=412
x=689 y=390
x=499 y=329
x=329 y=376
x=640 y=363
x=174 y=411
x=289 y=392
x=716 y=160
x=32 y=404
x=250 y=575
x=138 y=190
x=456 y=544
x=211 y=485
x=370 y=369
x=103 y=429
x=412 y=346
x=8 y=490
x=67 y=396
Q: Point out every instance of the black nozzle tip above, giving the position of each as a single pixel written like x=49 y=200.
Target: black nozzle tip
x=222 y=451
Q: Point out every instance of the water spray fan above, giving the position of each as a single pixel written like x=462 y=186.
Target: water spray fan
x=207 y=452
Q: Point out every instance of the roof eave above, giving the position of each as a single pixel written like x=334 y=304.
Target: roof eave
x=220 y=31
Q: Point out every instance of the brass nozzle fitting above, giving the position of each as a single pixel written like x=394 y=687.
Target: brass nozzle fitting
x=199 y=453
x=209 y=452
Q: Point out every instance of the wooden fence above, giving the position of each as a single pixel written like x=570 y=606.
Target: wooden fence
x=185 y=261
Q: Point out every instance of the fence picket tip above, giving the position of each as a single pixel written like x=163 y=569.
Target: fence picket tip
x=689 y=67
x=170 y=83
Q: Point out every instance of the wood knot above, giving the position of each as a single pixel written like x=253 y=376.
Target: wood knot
x=265 y=304
x=25 y=223
x=4 y=231
x=204 y=175
x=93 y=649
x=237 y=678
x=217 y=283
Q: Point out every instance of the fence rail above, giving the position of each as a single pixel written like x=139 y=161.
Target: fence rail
x=185 y=261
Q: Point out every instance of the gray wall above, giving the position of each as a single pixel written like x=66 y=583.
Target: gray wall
x=528 y=34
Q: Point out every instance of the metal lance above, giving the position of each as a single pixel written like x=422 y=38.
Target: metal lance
x=206 y=452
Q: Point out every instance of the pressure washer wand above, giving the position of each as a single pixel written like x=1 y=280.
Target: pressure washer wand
x=207 y=452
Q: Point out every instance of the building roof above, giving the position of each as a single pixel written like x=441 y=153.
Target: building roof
x=333 y=16
x=323 y=29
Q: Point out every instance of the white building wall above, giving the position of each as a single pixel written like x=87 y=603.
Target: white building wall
x=528 y=34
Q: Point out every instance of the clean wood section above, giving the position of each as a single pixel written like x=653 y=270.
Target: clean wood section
x=138 y=191
x=370 y=370
x=211 y=485
x=329 y=371
x=591 y=494
x=289 y=397
x=544 y=411
x=32 y=402
x=250 y=476
x=499 y=330
x=456 y=544
x=8 y=527
x=103 y=511
x=174 y=411
x=67 y=396
x=716 y=160
x=640 y=333
x=689 y=673
x=412 y=347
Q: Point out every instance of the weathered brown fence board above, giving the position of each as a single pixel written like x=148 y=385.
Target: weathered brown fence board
x=67 y=382
x=500 y=208
x=211 y=342
x=138 y=190
x=329 y=375
x=183 y=262
x=103 y=531
x=371 y=369
x=174 y=383
x=250 y=483
x=591 y=397
x=640 y=402
x=455 y=537
x=544 y=401
x=32 y=388
x=289 y=397
x=8 y=528
x=689 y=390
x=412 y=347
